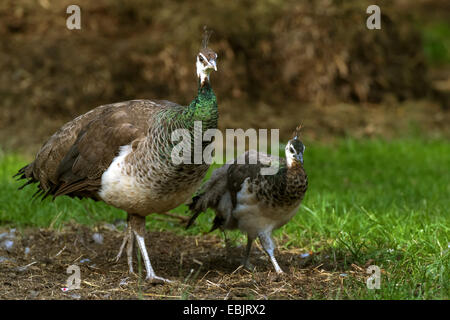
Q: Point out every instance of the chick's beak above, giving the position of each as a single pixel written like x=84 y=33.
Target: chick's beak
x=299 y=157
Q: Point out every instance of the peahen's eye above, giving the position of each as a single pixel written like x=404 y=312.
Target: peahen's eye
x=201 y=58
x=291 y=150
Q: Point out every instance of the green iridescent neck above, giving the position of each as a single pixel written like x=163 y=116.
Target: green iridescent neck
x=203 y=107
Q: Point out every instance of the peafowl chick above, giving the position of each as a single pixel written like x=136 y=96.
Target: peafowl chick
x=121 y=154
x=256 y=204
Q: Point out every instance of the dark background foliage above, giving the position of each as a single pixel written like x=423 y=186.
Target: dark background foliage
x=276 y=58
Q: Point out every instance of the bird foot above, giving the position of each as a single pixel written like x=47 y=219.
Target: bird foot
x=248 y=266
x=279 y=272
x=126 y=238
x=157 y=280
x=117 y=258
x=277 y=276
x=128 y=243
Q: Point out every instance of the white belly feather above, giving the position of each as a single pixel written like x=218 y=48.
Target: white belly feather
x=254 y=217
x=124 y=191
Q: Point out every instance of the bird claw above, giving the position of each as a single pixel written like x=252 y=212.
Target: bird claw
x=248 y=266
x=157 y=280
x=117 y=258
x=277 y=276
x=280 y=272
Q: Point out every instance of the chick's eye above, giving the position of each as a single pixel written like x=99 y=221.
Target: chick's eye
x=200 y=58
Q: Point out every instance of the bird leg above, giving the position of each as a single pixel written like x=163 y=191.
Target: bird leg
x=269 y=246
x=245 y=262
x=138 y=226
x=128 y=240
x=227 y=244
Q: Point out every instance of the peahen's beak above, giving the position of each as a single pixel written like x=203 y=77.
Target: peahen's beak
x=213 y=64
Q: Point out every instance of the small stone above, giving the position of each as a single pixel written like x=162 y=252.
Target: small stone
x=75 y=296
x=33 y=293
x=110 y=227
x=98 y=238
x=7 y=240
x=123 y=282
x=120 y=224
x=8 y=245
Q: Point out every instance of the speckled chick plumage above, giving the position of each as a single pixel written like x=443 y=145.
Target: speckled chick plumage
x=256 y=204
x=275 y=197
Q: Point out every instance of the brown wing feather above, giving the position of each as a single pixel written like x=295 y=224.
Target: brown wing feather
x=228 y=177
x=91 y=155
x=209 y=194
x=237 y=173
x=72 y=161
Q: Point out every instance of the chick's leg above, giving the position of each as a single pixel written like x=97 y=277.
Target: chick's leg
x=269 y=246
x=246 y=263
x=227 y=244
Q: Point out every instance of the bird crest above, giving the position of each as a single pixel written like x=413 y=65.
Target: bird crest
x=296 y=133
x=206 y=35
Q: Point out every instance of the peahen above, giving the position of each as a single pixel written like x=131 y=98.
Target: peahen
x=256 y=204
x=121 y=154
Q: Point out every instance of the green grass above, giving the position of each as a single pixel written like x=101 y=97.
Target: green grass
x=367 y=199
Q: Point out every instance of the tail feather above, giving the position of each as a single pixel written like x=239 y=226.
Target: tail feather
x=25 y=184
x=218 y=221
x=194 y=208
x=21 y=173
x=39 y=192
x=47 y=188
x=209 y=195
x=200 y=203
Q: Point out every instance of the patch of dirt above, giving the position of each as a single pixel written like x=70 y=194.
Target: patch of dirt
x=198 y=265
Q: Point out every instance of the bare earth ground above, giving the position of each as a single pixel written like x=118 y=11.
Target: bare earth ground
x=198 y=266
